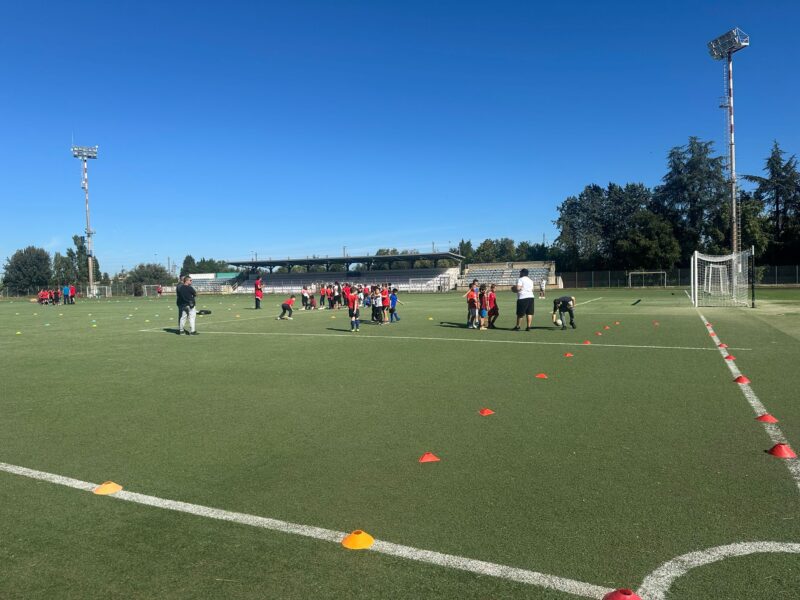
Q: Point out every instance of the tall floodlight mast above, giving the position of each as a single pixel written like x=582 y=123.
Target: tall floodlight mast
x=84 y=153
x=722 y=48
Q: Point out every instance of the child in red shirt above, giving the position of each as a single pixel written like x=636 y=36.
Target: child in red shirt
x=287 y=308
x=472 y=307
x=494 y=310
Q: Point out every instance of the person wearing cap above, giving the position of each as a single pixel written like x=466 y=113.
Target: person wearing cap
x=565 y=304
x=186 y=300
x=524 y=300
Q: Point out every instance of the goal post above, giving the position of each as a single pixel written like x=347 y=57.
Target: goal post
x=98 y=291
x=727 y=280
x=151 y=290
x=647 y=279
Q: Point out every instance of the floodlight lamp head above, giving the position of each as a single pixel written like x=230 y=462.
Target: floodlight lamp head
x=728 y=43
x=84 y=152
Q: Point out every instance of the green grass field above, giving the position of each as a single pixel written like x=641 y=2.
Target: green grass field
x=635 y=451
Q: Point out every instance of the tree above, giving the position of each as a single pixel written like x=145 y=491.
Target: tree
x=486 y=252
x=64 y=270
x=189 y=266
x=28 y=268
x=209 y=265
x=147 y=274
x=464 y=249
x=692 y=195
x=649 y=242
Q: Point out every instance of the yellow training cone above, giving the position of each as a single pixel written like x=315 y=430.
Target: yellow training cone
x=107 y=488
x=430 y=318
x=358 y=540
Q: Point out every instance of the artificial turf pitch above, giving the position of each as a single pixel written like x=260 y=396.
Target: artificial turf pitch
x=638 y=449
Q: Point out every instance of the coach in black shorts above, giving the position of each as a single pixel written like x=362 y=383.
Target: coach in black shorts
x=524 y=299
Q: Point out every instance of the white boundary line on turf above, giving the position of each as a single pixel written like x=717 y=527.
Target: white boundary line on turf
x=657 y=583
x=773 y=431
x=346 y=335
x=479 y=567
x=587 y=302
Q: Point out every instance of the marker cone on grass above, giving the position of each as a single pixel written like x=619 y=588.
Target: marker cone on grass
x=622 y=594
x=429 y=457
x=485 y=412
x=358 y=540
x=598 y=333
x=616 y=322
x=722 y=345
x=568 y=354
x=606 y=327
x=730 y=357
x=107 y=488
x=766 y=418
x=586 y=343
x=741 y=379
x=541 y=376
x=782 y=451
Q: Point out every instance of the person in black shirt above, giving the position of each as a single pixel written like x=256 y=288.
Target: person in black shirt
x=565 y=304
x=186 y=301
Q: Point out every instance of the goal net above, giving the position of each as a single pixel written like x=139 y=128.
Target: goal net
x=723 y=280
x=98 y=291
x=441 y=283
x=151 y=290
x=647 y=279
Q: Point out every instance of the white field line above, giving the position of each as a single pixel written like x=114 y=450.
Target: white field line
x=773 y=431
x=587 y=301
x=657 y=583
x=344 y=335
x=479 y=567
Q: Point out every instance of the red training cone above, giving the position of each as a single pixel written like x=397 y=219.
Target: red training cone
x=711 y=334
x=569 y=354
x=541 y=376
x=722 y=346
x=766 y=418
x=586 y=342
x=730 y=357
x=742 y=379
x=606 y=327
x=485 y=412
x=782 y=451
x=429 y=457
x=622 y=594
x=598 y=333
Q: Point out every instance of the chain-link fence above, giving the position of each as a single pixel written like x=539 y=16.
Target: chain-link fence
x=765 y=275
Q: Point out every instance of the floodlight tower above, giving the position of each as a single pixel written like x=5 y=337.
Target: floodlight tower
x=722 y=48
x=84 y=153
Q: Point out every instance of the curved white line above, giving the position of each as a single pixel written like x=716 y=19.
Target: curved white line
x=657 y=583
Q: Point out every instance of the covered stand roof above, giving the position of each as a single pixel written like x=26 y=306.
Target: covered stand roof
x=326 y=261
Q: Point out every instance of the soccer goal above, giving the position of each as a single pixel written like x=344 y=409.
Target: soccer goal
x=151 y=290
x=641 y=279
x=99 y=291
x=723 y=280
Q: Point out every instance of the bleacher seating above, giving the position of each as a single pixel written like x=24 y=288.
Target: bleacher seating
x=504 y=274
x=406 y=280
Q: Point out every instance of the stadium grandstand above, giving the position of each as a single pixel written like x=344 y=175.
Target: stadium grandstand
x=506 y=274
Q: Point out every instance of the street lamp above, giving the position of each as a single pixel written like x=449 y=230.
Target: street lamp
x=85 y=153
x=722 y=48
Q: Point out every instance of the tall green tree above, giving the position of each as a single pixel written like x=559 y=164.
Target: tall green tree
x=28 y=268
x=64 y=270
x=189 y=266
x=147 y=274
x=691 y=197
x=648 y=243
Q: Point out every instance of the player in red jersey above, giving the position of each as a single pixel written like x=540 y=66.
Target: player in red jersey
x=353 y=303
x=287 y=308
x=494 y=310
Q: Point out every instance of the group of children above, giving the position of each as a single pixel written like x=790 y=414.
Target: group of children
x=482 y=308
x=57 y=296
x=382 y=299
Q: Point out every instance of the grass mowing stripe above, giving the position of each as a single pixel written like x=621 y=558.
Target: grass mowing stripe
x=479 y=567
x=773 y=431
x=657 y=583
x=441 y=339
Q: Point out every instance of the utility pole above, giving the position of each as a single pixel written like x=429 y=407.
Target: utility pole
x=84 y=153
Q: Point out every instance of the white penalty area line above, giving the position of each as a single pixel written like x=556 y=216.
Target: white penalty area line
x=773 y=431
x=347 y=335
x=478 y=567
x=587 y=301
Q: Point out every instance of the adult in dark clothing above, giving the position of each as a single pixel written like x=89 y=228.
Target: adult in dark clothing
x=186 y=300
x=563 y=306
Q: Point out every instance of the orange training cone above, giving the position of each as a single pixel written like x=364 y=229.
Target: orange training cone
x=541 y=376
x=782 y=451
x=107 y=488
x=656 y=323
x=722 y=346
x=622 y=594
x=742 y=379
x=616 y=322
x=598 y=333
x=606 y=327
x=711 y=334
x=358 y=540
x=429 y=457
x=586 y=342
x=569 y=354
x=766 y=418
x=730 y=357
x=485 y=412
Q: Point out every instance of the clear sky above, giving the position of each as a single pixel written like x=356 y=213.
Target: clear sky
x=296 y=128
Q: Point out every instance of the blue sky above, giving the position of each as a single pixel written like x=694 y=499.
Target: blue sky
x=296 y=128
